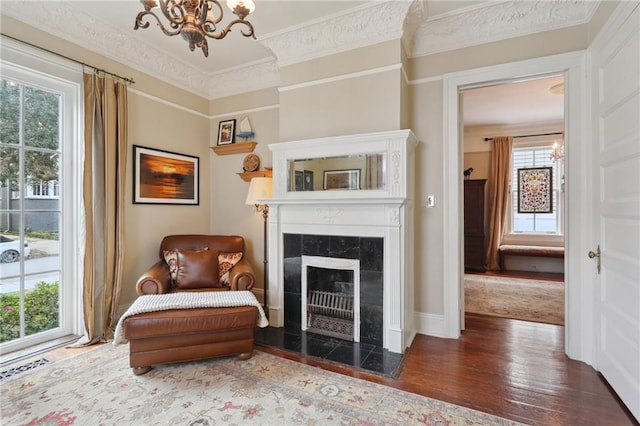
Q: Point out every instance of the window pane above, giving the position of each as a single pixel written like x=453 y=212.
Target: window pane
x=9 y=178
x=41 y=118
x=40 y=168
x=9 y=112
x=42 y=239
x=41 y=303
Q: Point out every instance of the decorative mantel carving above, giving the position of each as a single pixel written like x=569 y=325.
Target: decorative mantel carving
x=386 y=212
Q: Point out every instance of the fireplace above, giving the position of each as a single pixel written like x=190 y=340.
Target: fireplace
x=365 y=231
x=331 y=297
x=342 y=260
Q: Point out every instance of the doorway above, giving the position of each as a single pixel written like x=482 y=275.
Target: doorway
x=526 y=281
x=578 y=330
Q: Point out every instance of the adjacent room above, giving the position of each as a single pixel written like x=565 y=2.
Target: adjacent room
x=519 y=272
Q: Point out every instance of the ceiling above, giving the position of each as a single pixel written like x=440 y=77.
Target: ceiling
x=296 y=30
x=521 y=102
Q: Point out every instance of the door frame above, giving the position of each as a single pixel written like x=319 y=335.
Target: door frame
x=579 y=285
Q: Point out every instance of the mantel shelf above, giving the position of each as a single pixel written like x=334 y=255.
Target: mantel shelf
x=247 y=176
x=234 y=148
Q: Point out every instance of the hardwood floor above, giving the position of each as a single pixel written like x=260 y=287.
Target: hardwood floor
x=509 y=368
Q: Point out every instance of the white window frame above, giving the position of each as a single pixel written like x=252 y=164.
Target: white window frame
x=33 y=67
x=538 y=238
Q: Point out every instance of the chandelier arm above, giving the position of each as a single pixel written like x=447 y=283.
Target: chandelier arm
x=223 y=33
x=216 y=17
x=173 y=11
x=141 y=24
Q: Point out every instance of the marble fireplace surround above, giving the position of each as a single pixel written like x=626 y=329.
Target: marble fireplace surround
x=386 y=213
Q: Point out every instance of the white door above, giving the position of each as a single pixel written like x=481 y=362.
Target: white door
x=615 y=84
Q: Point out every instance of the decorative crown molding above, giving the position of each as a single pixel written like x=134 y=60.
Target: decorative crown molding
x=371 y=24
x=244 y=79
x=61 y=19
x=497 y=21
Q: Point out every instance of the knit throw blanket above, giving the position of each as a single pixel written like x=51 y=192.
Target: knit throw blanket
x=186 y=300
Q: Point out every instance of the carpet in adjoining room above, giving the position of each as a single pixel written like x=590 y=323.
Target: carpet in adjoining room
x=98 y=387
x=517 y=298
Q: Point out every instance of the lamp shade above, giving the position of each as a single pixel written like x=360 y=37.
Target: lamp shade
x=260 y=188
x=249 y=4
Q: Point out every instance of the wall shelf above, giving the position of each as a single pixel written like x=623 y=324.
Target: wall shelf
x=247 y=176
x=234 y=148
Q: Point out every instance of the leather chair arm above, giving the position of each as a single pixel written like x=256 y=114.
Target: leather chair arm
x=241 y=276
x=156 y=280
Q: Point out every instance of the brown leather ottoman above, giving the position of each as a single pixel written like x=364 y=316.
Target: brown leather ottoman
x=189 y=334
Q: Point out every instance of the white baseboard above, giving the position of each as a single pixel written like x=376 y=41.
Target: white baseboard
x=429 y=324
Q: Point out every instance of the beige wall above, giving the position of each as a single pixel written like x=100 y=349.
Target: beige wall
x=347 y=93
x=229 y=213
x=153 y=124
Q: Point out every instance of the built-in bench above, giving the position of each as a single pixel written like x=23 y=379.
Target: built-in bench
x=534 y=251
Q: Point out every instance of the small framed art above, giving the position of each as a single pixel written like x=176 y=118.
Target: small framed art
x=535 y=189
x=227 y=132
x=342 y=179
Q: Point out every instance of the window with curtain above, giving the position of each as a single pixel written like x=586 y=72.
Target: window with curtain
x=536 y=223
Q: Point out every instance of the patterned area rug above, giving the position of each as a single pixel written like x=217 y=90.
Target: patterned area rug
x=98 y=387
x=518 y=298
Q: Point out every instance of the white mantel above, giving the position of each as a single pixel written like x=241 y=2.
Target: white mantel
x=386 y=213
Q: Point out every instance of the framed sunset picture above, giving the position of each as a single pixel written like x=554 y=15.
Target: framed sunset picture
x=164 y=177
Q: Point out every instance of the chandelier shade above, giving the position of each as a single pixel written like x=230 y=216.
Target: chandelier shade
x=196 y=20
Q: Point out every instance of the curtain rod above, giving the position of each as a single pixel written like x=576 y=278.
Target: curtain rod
x=530 y=136
x=96 y=69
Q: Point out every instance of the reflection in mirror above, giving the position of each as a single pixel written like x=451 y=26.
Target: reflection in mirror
x=349 y=172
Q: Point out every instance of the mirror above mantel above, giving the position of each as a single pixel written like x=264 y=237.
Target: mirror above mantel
x=345 y=172
x=364 y=167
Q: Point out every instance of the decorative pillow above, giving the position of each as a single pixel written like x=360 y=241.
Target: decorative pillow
x=197 y=269
x=171 y=257
x=226 y=261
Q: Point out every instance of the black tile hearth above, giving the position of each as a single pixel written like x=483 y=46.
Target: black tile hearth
x=363 y=356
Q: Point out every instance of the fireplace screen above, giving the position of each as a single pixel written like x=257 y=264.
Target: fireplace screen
x=330 y=314
x=330 y=291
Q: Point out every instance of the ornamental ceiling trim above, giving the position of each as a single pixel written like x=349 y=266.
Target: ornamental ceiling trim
x=497 y=21
x=368 y=25
x=61 y=19
x=373 y=24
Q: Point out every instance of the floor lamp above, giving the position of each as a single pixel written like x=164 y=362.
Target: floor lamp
x=261 y=189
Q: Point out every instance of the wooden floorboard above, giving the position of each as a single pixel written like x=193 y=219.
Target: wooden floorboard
x=509 y=368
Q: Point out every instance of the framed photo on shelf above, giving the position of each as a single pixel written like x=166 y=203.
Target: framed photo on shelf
x=227 y=132
x=163 y=177
x=342 y=179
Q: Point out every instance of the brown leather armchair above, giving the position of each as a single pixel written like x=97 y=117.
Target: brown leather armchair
x=157 y=279
x=178 y=335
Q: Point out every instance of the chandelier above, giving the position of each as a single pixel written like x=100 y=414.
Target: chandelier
x=196 y=20
x=557 y=151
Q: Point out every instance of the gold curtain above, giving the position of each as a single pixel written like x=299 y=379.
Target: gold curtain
x=105 y=157
x=498 y=196
x=373 y=172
